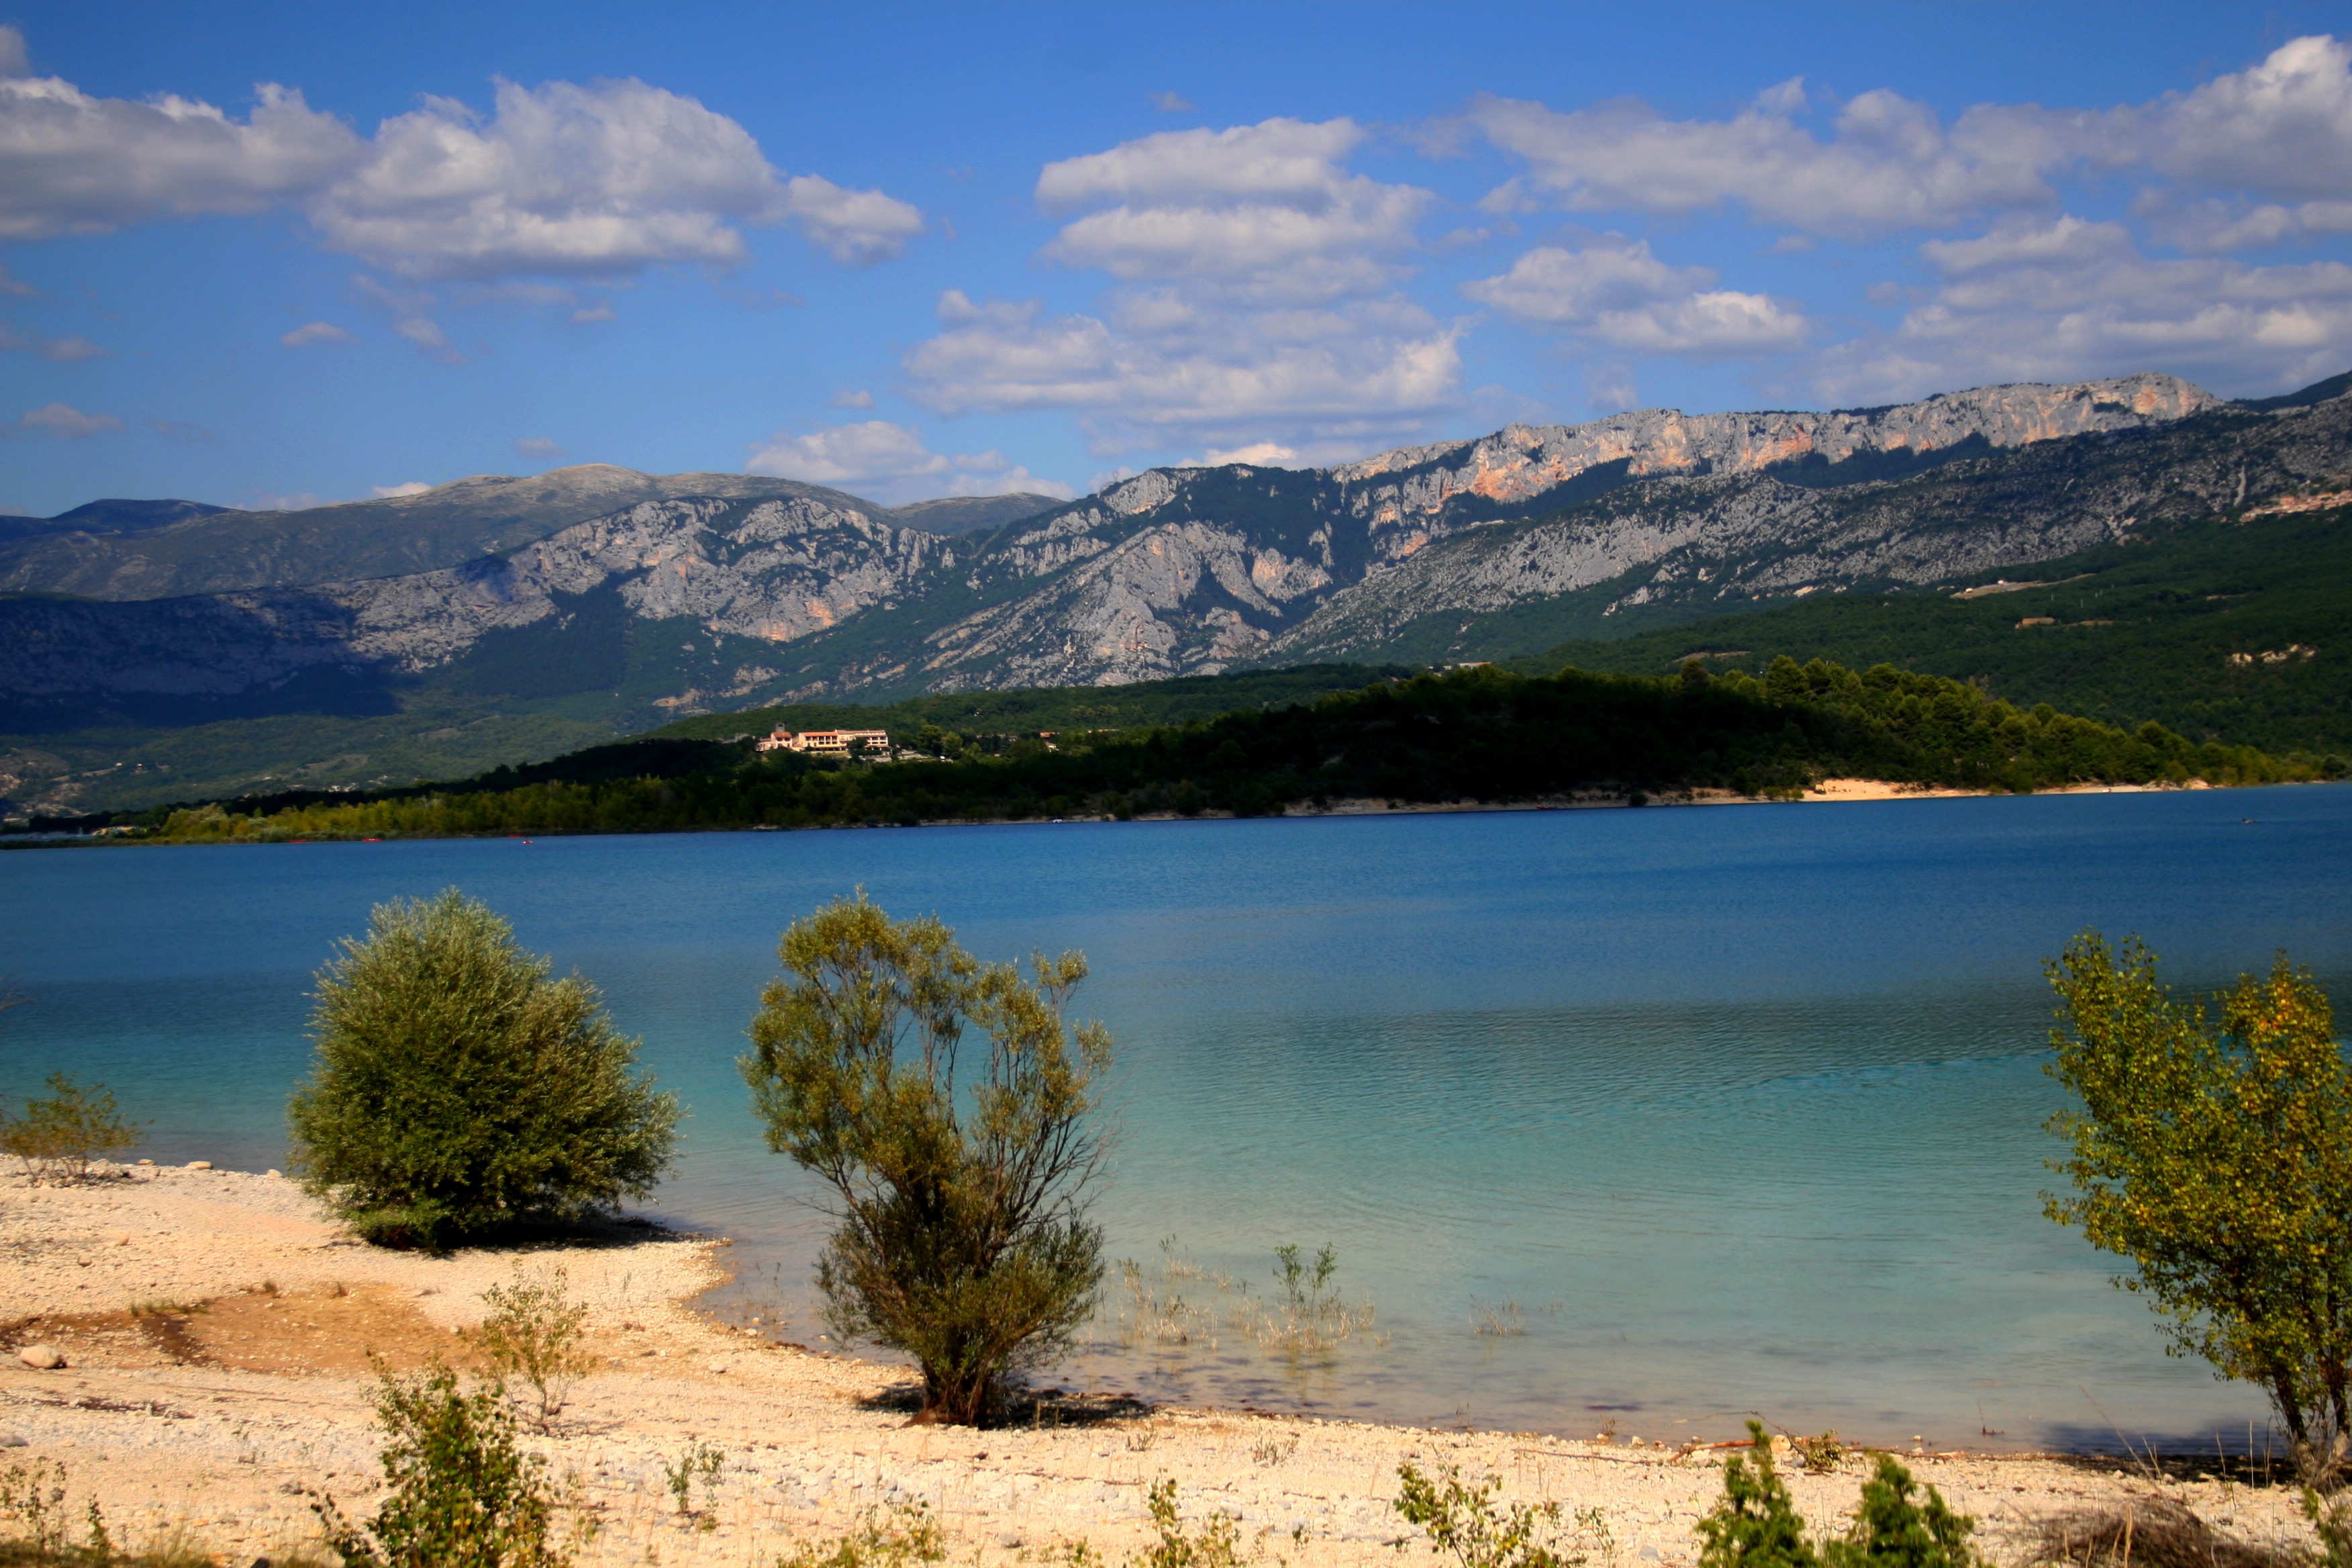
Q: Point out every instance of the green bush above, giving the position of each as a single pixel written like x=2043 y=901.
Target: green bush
x=1461 y=1520
x=2212 y=1148
x=460 y=1494
x=1218 y=1545
x=536 y=1332
x=1757 y=1525
x=963 y=1238
x=1896 y=1532
x=457 y=1089
x=57 y=1138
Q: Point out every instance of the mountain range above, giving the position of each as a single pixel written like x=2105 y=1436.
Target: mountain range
x=161 y=650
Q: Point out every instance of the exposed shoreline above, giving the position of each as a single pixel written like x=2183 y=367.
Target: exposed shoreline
x=213 y=1421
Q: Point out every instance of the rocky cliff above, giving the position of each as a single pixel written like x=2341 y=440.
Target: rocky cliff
x=809 y=594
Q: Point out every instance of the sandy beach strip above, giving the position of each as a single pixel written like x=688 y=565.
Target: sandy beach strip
x=222 y=1424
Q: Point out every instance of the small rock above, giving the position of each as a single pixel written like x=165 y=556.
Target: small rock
x=11 y=1441
x=146 y=1162
x=719 y=1368
x=1009 y=1539
x=121 y=1238
x=48 y=1358
x=274 y=1174
x=200 y=1164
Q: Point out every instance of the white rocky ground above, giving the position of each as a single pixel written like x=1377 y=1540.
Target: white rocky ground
x=222 y=1424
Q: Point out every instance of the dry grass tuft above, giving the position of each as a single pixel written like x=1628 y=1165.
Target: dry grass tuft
x=2154 y=1534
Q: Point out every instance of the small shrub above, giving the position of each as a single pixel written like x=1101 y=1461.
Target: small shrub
x=34 y=1497
x=1893 y=1531
x=461 y=1495
x=1218 y=1545
x=459 y=1089
x=903 y=1535
x=1822 y=1455
x=1463 y=1520
x=1272 y=1451
x=1311 y=1317
x=534 y=1334
x=1756 y=1525
x=2331 y=1522
x=700 y=1461
x=57 y=1138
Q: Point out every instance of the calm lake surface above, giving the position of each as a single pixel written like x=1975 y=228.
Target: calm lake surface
x=1716 y=1109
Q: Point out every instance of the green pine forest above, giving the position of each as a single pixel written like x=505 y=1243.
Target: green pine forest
x=2123 y=634
x=1476 y=735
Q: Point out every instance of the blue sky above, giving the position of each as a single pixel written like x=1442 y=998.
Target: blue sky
x=269 y=255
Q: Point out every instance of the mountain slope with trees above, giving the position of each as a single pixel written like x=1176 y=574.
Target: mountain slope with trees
x=1472 y=736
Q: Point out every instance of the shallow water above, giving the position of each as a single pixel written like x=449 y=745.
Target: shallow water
x=1718 y=1109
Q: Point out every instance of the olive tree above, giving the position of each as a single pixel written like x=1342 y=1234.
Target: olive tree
x=2212 y=1148
x=962 y=1202
x=457 y=1089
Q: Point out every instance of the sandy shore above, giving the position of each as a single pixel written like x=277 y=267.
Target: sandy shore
x=220 y=1424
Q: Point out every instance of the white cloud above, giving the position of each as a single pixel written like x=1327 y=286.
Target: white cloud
x=71 y=163
x=1259 y=455
x=315 y=332
x=855 y=229
x=1265 y=210
x=2282 y=129
x=2277 y=135
x=1891 y=165
x=1172 y=103
x=1324 y=382
x=407 y=488
x=69 y=424
x=853 y=397
x=430 y=340
x=13 y=62
x=1619 y=294
x=538 y=446
x=1252 y=301
x=63 y=351
x=588 y=315
x=890 y=462
x=2068 y=297
x=11 y=284
x=596 y=179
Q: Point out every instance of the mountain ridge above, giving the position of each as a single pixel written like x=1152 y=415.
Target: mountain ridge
x=688 y=604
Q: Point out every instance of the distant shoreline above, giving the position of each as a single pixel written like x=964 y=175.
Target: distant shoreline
x=1829 y=792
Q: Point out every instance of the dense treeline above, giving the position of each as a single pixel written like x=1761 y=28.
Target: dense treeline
x=1476 y=735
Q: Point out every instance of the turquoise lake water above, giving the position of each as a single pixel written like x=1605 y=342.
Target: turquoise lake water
x=1721 y=1109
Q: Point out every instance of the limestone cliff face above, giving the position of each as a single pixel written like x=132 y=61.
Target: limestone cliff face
x=1520 y=463
x=777 y=570
x=1729 y=539
x=1174 y=598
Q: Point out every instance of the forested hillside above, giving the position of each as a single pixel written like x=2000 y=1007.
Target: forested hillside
x=1472 y=736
